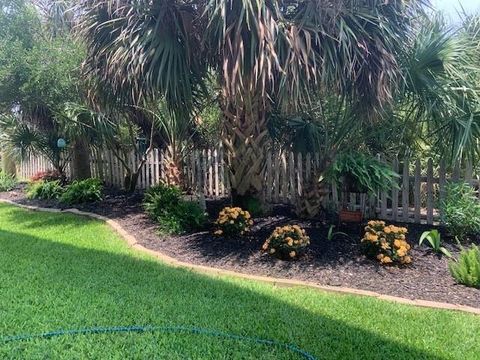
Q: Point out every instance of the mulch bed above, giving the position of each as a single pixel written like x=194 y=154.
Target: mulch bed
x=338 y=262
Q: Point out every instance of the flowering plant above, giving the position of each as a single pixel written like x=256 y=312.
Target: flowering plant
x=233 y=221
x=387 y=243
x=287 y=242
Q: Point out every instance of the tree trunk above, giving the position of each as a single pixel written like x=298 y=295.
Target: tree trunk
x=246 y=140
x=81 y=160
x=131 y=180
x=172 y=162
x=8 y=164
x=310 y=204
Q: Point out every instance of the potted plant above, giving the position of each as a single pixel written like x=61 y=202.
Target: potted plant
x=359 y=173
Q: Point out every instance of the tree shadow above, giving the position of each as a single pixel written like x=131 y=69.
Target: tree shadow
x=55 y=285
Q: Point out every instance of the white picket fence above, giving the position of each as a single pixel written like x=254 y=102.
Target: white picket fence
x=421 y=186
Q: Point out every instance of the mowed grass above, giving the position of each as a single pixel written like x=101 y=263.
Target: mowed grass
x=59 y=271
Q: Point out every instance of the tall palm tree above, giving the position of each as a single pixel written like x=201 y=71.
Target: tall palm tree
x=264 y=53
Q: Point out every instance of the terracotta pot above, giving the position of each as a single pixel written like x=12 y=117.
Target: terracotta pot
x=350 y=216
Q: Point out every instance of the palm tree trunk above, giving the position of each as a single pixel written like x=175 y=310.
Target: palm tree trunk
x=310 y=204
x=246 y=141
x=172 y=162
x=8 y=164
x=81 y=160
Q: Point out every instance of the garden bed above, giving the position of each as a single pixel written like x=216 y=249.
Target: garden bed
x=337 y=262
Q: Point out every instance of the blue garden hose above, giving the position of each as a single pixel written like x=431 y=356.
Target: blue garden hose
x=163 y=329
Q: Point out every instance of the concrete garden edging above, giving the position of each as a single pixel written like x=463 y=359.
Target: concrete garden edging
x=132 y=242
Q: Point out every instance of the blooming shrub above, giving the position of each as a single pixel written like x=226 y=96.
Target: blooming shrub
x=233 y=221
x=387 y=244
x=287 y=242
x=49 y=175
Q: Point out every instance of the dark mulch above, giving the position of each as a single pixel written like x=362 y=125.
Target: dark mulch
x=338 y=262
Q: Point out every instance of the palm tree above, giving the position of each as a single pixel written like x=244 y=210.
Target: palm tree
x=265 y=54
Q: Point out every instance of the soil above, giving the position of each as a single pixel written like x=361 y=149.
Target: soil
x=336 y=262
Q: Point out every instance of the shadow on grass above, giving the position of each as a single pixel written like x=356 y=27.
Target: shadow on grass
x=49 y=285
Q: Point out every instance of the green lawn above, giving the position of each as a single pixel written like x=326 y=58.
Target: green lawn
x=65 y=272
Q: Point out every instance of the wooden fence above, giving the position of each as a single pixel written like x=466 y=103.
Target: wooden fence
x=420 y=187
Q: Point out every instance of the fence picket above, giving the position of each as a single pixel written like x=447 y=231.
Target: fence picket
x=430 y=191
x=417 y=189
x=405 y=190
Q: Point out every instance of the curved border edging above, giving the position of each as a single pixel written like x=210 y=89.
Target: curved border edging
x=132 y=243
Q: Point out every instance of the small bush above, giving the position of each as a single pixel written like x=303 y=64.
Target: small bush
x=49 y=175
x=44 y=190
x=387 y=244
x=461 y=210
x=233 y=221
x=83 y=191
x=165 y=205
x=287 y=243
x=467 y=270
x=7 y=182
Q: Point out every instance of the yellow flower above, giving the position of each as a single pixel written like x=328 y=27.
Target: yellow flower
x=386 y=260
x=232 y=222
x=398 y=244
x=380 y=256
x=387 y=230
x=218 y=232
x=402 y=251
x=250 y=222
x=292 y=254
x=407 y=260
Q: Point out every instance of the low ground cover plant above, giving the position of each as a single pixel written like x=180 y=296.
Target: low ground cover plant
x=165 y=205
x=7 y=182
x=82 y=191
x=233 y=221
x=386 y=243
x=434 y=238
x=461 y=210
x=287 y=242
x=466 y=270
x=44 y=190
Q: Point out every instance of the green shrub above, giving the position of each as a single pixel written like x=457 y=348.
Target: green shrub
x=7 y=182
x=83 y=191
x=165 y=205
x=44 y=190
x=467 y=270
x=461 y=210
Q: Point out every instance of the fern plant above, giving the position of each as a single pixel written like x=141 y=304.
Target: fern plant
x=467 y=270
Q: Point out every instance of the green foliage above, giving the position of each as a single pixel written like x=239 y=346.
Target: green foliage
x=359 y=172
x=331 y=234
x=461 y=210
x=435 y=240
x=84 y=191
x=164 y=204
x=7 y=182
x=467 y=270
x=45 y=190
